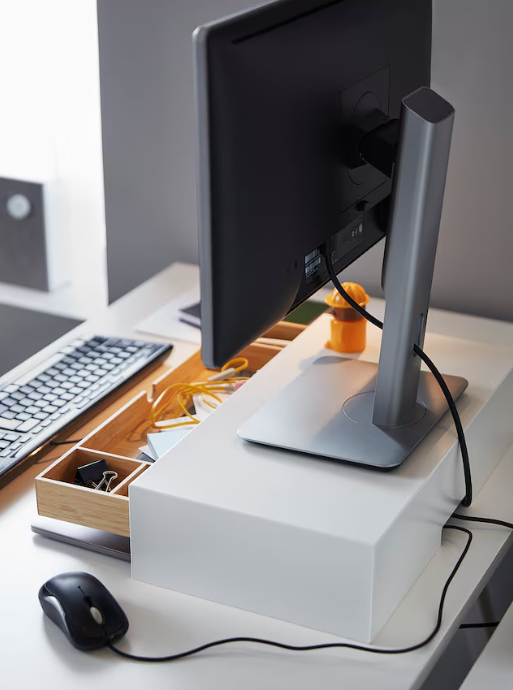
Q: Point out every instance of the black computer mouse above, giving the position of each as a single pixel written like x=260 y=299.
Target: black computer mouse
x=84 y=609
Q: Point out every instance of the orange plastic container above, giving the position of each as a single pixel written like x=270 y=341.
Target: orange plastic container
x=348 y=328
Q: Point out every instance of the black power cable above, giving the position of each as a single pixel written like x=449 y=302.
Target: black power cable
x=485 y=520
x=328 y=645
x=467 y=626
x=467 y=500
x=65 y=443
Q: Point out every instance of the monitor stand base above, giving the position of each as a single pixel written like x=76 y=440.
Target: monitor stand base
x=327 y=411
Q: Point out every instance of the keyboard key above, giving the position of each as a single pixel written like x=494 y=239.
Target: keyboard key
x=80 y=384
x=69 y=372
x=85 y=360
x=15 y=446
x=4 y=444
x=10 y=424
x=75 y=365
x=44 y=389
x=37 y=429
x=41 y=415
x=43 y=377
x=11 y=437
x=17 y=408
x=107 y=355
x=50 y=397
x=32 y=409
x=50 y=409
x=67 y=396
x=91 y=367
x=66 y=385
x=59 y=403
x=16 y=395
x=52 y=383
x=9 y=401
x=9 y=415
x=35 y=395
x=99 y=361
x=46 y=422
x=33 y=385
x=92 y=378
x=124 y=355
x=76 y=390
x=3 y=408
x=60 y=378
x=5 y=453
x=27 y=426
x=78 y=399
x=59 y=391
x=67 y=360
x=75 y=379
x=40 y=403
x=27 y=389
x=22 y=416
x=27 y=402
x=3 y=394
x=83 y=373
x=52 y=371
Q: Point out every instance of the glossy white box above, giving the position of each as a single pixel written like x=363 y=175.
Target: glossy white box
x=326 y=545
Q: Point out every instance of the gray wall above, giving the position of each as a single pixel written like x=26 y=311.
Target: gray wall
x=149 y=158
x=471 y=67
x=147 y=100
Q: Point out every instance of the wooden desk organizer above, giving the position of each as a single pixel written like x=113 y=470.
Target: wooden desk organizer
x=117 y=439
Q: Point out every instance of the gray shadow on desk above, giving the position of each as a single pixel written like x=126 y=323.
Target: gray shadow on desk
x=77 y=661
x=163 y=636
x=85 y=558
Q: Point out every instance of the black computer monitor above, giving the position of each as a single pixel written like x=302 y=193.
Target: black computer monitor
x=309 y=114
x=280 y=92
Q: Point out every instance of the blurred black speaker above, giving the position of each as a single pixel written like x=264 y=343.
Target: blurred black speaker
x=33 y=243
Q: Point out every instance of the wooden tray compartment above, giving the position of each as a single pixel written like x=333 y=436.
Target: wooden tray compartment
x=118 y=440
x=58 y=497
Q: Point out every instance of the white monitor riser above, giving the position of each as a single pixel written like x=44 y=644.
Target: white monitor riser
x=324 y=544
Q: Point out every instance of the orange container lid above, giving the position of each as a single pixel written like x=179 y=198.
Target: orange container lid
x=354 y=290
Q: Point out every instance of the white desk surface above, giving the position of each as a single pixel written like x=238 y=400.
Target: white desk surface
x=494 y=668
x=35 y=653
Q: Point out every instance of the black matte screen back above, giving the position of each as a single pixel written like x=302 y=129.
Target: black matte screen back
x=280 y=91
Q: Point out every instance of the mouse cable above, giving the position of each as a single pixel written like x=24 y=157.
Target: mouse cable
x=329 y=645
x=467 y=500
x=65 y=443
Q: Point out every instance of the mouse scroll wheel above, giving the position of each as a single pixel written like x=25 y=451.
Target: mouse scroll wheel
x=96 y=614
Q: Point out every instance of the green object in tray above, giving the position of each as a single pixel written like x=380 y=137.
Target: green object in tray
x=307 y=312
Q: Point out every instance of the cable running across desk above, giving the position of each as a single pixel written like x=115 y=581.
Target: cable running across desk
x=328 y=645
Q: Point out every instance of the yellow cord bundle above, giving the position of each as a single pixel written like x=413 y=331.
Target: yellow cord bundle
x=182 y=393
